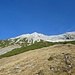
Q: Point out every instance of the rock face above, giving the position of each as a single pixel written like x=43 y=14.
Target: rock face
x=53 y=60
x=69 y=36
x=28 y=39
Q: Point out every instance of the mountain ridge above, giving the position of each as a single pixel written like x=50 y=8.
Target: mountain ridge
x=28 y=39
x=53 y=38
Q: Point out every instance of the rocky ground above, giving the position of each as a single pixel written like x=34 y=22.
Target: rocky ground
x=8 y=48
x=54 y=60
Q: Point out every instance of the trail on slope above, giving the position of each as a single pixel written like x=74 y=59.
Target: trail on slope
x=8 y=48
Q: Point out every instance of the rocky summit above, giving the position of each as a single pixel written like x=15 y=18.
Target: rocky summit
x=28 y=39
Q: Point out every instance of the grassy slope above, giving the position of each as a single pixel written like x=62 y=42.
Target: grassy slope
x=45 y=61
x=34 y=46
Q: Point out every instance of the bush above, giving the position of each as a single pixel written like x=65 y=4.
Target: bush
x=50 y=58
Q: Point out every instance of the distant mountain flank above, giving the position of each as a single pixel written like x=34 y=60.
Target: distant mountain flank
x=69 y=36
x=33 y=41
x=28 y=39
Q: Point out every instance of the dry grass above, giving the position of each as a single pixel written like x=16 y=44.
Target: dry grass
x=36 y=62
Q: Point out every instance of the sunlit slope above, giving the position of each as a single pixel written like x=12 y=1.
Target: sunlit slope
x=53 y=60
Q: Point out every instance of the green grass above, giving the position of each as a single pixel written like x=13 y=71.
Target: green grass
x=34 y=46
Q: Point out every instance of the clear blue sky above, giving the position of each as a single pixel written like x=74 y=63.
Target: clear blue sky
x=49 y=17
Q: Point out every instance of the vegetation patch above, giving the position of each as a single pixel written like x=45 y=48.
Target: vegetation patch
x=50 y=58
x=34 y=46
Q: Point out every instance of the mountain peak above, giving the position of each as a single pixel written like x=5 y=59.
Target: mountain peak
x=69 y=36
x=27 y=39
x=35 y=33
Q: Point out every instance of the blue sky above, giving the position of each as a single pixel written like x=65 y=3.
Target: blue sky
x=49 y=17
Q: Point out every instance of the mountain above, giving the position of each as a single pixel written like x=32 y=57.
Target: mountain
x=69 y=36
x=38 y=54
x=28 y=39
